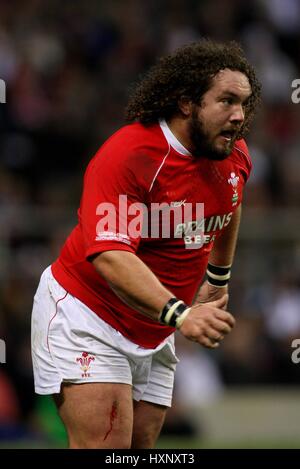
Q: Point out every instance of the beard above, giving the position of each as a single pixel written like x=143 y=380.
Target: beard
x=203 y=147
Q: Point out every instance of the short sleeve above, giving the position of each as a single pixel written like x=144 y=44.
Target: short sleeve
x=113 y=203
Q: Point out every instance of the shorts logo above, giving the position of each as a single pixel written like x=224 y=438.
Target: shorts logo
x=85 y=363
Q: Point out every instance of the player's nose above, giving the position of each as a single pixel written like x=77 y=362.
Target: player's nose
x=238 y=114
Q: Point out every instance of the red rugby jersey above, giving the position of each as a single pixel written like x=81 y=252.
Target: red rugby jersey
x=148 y=165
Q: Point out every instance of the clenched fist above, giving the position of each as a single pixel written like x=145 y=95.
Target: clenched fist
x=208 y=323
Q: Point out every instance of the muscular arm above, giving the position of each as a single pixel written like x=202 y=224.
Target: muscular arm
x=224 y=246
x=137 y=286
x=222 y=254
x=133 y=282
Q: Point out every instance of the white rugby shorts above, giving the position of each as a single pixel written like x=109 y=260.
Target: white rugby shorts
x=71 y=344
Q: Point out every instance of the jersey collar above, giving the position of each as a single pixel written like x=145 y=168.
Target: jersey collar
x=172 y=140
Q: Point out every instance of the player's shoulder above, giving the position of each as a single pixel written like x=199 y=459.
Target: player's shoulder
x=241 y=153
x=136 y=150
x=137 y=137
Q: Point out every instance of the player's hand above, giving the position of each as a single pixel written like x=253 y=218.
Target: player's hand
x=209 y=293
x=208 y=323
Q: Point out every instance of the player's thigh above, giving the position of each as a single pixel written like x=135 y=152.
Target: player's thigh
x=147 y=423
x=96 y=415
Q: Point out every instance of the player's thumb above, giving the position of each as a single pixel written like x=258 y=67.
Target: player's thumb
x=221 y=302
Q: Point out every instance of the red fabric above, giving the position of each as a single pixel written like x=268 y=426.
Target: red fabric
x=138 y=162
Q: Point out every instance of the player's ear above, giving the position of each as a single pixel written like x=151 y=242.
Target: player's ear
x=185 y=105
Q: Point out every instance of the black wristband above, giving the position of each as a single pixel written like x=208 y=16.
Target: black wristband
x=166 y=308
x=218 y=276
x=218 y=270
x=217 y=283
x=178 y=312
x=179 y=309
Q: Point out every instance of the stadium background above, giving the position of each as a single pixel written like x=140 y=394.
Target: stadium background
x=68 y=67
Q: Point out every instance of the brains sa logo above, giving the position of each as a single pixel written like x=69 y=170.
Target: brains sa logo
x=85 y=363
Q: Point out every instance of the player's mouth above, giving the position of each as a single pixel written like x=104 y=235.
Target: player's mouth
x=228 y=135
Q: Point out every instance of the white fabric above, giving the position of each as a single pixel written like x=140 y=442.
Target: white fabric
x=72 y=344
x=172 y=140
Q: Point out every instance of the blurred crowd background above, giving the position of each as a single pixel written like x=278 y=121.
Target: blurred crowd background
x=68 y=67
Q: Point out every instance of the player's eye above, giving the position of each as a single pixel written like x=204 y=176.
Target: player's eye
x=227 y=101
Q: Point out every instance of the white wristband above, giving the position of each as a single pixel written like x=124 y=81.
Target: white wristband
x=182 y=317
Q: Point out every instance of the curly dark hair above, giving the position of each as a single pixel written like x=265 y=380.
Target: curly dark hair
x=189 y=72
